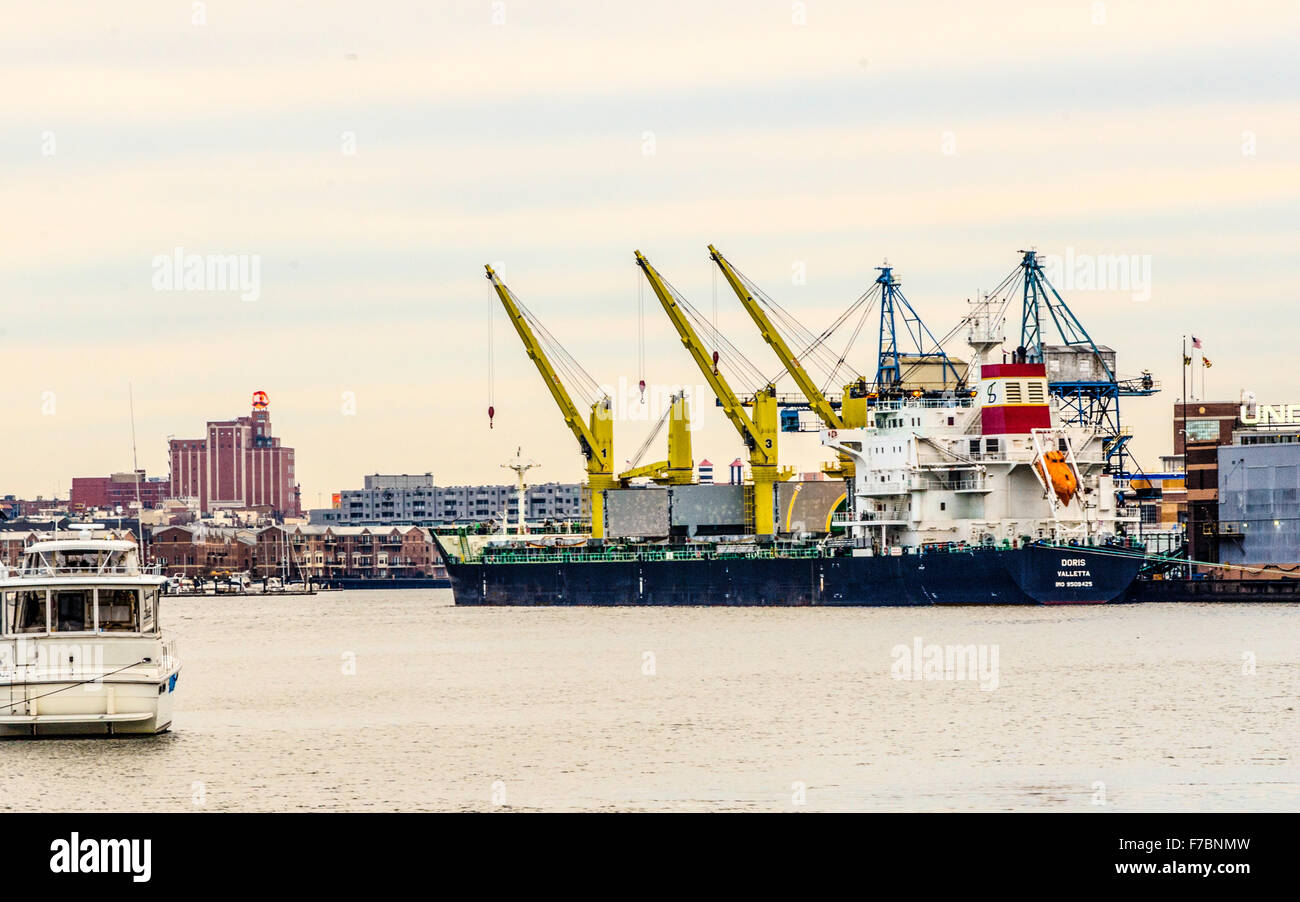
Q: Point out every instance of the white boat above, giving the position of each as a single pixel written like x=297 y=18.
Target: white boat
x=82 y=651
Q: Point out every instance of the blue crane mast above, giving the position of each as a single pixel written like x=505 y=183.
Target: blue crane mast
x=895 y=309
x=1084 y=402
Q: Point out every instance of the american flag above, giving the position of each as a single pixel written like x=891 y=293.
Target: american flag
x=1196 y=342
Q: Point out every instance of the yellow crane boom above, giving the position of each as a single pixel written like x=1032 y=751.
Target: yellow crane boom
x=759 y=433
x=853 y=403
x=816 y=400
x=679 y=468
x=596 y=436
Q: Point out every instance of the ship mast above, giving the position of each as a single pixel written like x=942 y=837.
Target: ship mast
x=521 y=468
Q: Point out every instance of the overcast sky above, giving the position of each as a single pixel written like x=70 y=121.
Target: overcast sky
x=374 y=156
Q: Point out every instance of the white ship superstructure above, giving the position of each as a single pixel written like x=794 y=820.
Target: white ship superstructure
x=990 y=464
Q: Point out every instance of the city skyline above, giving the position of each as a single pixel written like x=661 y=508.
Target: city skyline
x=372 y=168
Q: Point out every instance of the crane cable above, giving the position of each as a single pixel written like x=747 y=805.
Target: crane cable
x=640 y=306
x=654 y=433
x=866 y=310
x=712 y=336
x=813 y=346
x=866 y=301
x=491 y=366
x=564 y=363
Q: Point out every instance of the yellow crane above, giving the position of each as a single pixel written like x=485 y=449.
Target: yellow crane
x=759 y=433
x=853 y=403
x=679 y=468
x=595 y=436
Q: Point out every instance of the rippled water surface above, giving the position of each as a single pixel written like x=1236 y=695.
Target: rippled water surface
x=1139 y=707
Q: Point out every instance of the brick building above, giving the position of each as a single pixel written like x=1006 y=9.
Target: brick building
x=202 y=551
x=237 y=465
x=117 y=490
x=348 y=552
x=298 y=552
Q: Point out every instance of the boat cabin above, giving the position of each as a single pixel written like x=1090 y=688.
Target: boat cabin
x=80 y=586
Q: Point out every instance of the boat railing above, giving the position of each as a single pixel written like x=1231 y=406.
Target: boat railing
x=169 y=654
x=51 y=570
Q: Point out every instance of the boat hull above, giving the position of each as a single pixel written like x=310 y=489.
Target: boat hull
x=1034 y=574
x=75 y=708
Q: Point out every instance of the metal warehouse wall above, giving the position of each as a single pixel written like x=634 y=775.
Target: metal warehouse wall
x=1259 y=504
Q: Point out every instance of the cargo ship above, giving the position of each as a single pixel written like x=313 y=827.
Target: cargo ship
x=954 y=482
x=972 y=497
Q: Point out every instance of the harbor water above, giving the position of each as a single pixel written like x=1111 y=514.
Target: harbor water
x=400 y=701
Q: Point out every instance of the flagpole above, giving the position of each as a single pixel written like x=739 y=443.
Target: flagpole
x=1183 y=363
x=1188 y=525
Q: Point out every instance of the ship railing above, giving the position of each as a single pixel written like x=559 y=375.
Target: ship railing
x=968 y=482
x=656 y=553
x=888 y=487
x=913 y=403
x=890 y=514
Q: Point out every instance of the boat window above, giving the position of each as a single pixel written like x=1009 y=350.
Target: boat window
x=147 y=610
x=72 y=610
x=30 y=613
x=77 y=560
x=117 y=609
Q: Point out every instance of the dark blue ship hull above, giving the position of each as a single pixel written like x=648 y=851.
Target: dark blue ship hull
x=1034 y=574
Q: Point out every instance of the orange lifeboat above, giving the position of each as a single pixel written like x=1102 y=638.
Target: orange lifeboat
x=1059 y=475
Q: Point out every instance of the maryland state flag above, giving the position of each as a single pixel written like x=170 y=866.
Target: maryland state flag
x=1187 y=361
x=1206 y=361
